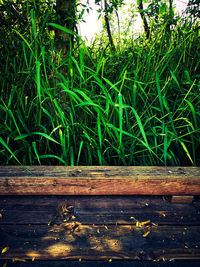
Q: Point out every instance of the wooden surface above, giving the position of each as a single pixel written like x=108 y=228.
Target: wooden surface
x=107 y=263
x=92 y=242
x=182 y=199
x=60 y=216
x=97 y=210
x=58 y=229
x=54 y=180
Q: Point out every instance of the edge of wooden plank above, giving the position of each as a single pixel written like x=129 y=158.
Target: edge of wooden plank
x=99 y=180
x=182 y=199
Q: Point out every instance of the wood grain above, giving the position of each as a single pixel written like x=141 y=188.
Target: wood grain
x=97 y=210
x=102 y=263
x=91 y=180
x=182 y=199
x=129 y=209
x=94 y=242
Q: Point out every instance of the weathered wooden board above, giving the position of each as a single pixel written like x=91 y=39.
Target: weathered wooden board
x=106 y=263
x=56 y=180
x=34 y=209
x=91 y=242
x=97 y=210
x=129 y=209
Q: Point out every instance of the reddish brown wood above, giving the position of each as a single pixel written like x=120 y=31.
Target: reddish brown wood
x=182 y=199
x=91 y=180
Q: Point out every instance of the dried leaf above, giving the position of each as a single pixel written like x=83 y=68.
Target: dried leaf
x=146 y=234
x=64 y=208
x=18 y=259
x=4 y=250
x=154 y=224
x=141 y=224
x=146 y=222
x=1 y=215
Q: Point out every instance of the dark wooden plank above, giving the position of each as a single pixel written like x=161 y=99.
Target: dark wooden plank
x=88 y=180
x=129 y=209
x=35 y=209
x=101 y=263
x=100 y=242
x=96 y=210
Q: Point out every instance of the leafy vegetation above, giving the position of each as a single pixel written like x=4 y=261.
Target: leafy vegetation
x=139 y=105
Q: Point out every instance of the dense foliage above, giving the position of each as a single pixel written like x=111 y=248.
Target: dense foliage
x=139 y=105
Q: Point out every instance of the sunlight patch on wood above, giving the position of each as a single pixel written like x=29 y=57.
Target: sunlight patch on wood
x=59 y=249
x=122 y=221
x=33 y=254
x=83 y=230
x=96 y=243
x=113 y=244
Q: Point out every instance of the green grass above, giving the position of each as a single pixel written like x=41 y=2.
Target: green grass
x=139 y=106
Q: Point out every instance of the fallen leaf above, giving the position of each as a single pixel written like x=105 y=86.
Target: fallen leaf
x=18 y=259
x=141 y=224
x=64 y=208
x=4 y=250
x=146 y=222
x=154 y=224
x=146 y=234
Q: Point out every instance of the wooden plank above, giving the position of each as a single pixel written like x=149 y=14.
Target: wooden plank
x=100 y=242
x=182 y=199
x=91 y=180
x=108 y=263
x=35 y=209
x=97 y=210
x=129 y=209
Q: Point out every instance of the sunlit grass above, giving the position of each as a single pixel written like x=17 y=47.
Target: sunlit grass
x=139 y=106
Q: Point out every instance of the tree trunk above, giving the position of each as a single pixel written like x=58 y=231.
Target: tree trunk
x=169 y=21
x=144 y=20
x=66 y=15
x=170 y=14
x=108 y=26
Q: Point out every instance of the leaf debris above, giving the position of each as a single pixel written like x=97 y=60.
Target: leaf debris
x=146 y=234
x=4 y=250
